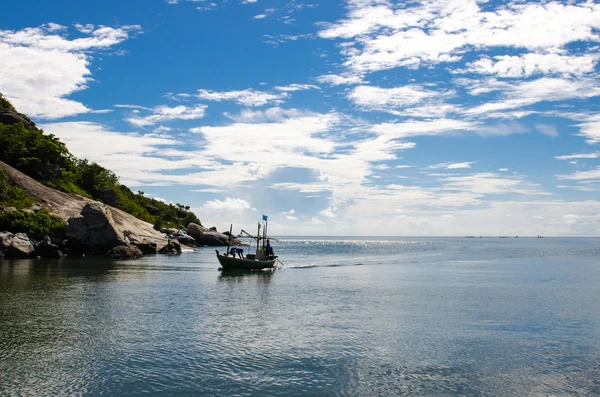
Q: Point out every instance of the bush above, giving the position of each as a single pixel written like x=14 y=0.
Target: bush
x=5 y=103
x=13 y=196
x=28 y=149
x=35 y=224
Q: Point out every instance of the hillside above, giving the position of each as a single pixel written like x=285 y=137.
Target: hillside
x=47 y=160
x=48 y=193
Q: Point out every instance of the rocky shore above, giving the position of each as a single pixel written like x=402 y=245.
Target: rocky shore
x=94 y=237
x=92 y=227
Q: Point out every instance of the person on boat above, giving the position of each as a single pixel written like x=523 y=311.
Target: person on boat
x=269 y=249
x=237 y=251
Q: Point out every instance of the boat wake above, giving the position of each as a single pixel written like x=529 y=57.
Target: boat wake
x=312 y=265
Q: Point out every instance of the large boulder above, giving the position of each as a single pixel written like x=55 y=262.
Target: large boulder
x=19 y=246
x=46 y=249
x=183 y=238
x=168 y=231
x=5 y=240
x=124 y=252
x=144 y=245
x=173 y=247
x=94 y=229
x=204 y=236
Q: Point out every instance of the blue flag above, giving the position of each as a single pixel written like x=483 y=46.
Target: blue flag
x=265 y=218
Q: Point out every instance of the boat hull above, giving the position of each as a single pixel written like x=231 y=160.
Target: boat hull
x=228 y=263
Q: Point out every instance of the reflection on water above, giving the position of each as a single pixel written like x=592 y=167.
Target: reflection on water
x=451 y=318
x=263 y=276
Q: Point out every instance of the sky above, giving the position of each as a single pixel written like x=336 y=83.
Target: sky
x=356 y=117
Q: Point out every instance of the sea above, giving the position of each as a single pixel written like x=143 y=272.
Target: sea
x=341 y=316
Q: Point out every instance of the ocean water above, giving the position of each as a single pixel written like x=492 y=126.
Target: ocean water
x=342 y=317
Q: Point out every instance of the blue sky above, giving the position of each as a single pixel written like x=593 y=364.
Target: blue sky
x=357 y=117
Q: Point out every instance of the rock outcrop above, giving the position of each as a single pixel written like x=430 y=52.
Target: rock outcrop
x=183 y=238
x=124 y=252
x=10 y=116
x=92 y=226
x=146 y=246
x=16 y=246
x=47 y=250
x=94 y=229
x=204 y=236
x=173 y=247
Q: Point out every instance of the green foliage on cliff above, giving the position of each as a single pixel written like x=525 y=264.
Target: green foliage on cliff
x=5 y=103
x=47 y=159
x=29 y=150
x=35 y=224
x=13 y=196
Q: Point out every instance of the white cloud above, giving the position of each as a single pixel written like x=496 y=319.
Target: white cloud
x=267 y=115
x=297 y=87
x=452 y=166
x=334 y=79
x=533 y=63
x=163 y=113
x=417 y=128
x=594 y=155
x=547 y=129
x=247 y=97
x=259 y=16
x=590 y=129
x=40 y=67
x=490 y=183
x=582 y=175
x=290 y=215
x=227 y=205
x=389 y=98
x=328 y=213
x=383 y=35
x=137 y=159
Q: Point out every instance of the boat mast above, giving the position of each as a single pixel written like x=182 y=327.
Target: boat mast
x=258 y=238
x=229 y=241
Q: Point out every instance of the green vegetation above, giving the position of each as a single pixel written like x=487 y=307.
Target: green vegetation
x=47 y=159
x=35 y=224
x=5 y=103
x=13 y=196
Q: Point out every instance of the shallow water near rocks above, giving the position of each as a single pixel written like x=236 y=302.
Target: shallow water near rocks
x=344 y=316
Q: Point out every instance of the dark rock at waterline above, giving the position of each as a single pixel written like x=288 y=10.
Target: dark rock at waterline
x=183 y=238
x=16 y=246
x=173 y=247
x=146 y=246
x=47 y=250
x=124 y=252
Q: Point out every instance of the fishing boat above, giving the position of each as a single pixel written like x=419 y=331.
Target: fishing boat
x=234 y=259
